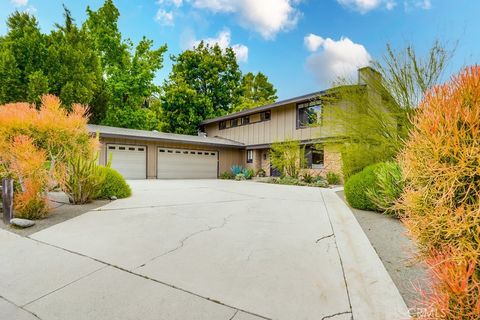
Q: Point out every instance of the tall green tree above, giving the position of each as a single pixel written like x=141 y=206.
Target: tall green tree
x=204 y=83
x=22 y=53
x=128 y=71
x=10 y=77
x=256 y=91
x=107 y=39
x=72 y=66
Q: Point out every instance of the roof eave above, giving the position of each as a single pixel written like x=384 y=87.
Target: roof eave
x=134 y=137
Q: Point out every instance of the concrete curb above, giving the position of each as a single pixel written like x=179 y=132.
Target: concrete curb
x=373 y=295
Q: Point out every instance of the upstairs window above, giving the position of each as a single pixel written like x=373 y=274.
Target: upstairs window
x=265 y=116
x=234 y=122
x=249 y=156
x=245 y=120
x=309 y=114
x=222 y=125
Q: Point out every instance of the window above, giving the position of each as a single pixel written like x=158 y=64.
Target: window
x=245 y=120
x=265 y=116
x=314 y=157
x=308 y=114
x=249 y=156
x=140 y=149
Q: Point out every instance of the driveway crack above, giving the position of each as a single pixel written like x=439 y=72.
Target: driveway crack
x=236 y=311
x=185 y=239
x=336 y=314
x=324 y=237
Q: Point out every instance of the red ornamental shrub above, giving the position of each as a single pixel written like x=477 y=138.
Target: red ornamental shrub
x=36 y=145
x=441 y=164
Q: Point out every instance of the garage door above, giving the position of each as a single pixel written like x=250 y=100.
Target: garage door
x=129 y=160
x=186 y=164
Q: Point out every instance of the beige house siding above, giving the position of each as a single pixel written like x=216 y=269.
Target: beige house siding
x=226 y=156
x=281 y=126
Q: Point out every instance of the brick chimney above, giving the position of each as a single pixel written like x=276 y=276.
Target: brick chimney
x=369 y=76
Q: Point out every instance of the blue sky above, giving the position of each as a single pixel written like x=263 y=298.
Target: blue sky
x=301 y=45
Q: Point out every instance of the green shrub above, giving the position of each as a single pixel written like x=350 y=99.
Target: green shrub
x=113 y=185
x=248 y=173
x=388 y=187
x=332 y=178
x=236 y=169
x=321 y=183
x=226 y=175
x=356 y=156
x=84 y=179
x=307 y=177
x=357 y=186
x=261 y=173
x=240 y=176
x=290 y=181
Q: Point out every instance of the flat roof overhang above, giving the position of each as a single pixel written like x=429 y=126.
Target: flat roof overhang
x=129 y=137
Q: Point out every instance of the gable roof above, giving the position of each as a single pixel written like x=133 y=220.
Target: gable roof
x=115 y=132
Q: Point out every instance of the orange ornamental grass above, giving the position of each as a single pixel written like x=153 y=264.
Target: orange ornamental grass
x=35 y=145
x=26 y=164
x=441 y=164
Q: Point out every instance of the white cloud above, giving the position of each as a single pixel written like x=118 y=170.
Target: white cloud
x=424 y=4
x=164 y=17
x=267 y=17
x=364 y=6
x=176 y=3
x=417 y=4
x=334 y=59
x=223 y=40
x=312 y=42
x=390 y=4
x=19 y=3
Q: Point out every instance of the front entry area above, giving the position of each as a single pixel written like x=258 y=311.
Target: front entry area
x=186 y=164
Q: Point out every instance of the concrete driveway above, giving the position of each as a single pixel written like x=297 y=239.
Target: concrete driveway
x=200 y=249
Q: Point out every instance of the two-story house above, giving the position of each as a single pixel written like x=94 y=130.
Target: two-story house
x=242 y=138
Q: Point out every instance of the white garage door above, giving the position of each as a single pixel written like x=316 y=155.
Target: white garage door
x=129 y=160
x=186 y=164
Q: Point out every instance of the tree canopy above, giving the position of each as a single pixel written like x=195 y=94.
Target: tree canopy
x=204 y=83
x=256 y=91
x=93 y=64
